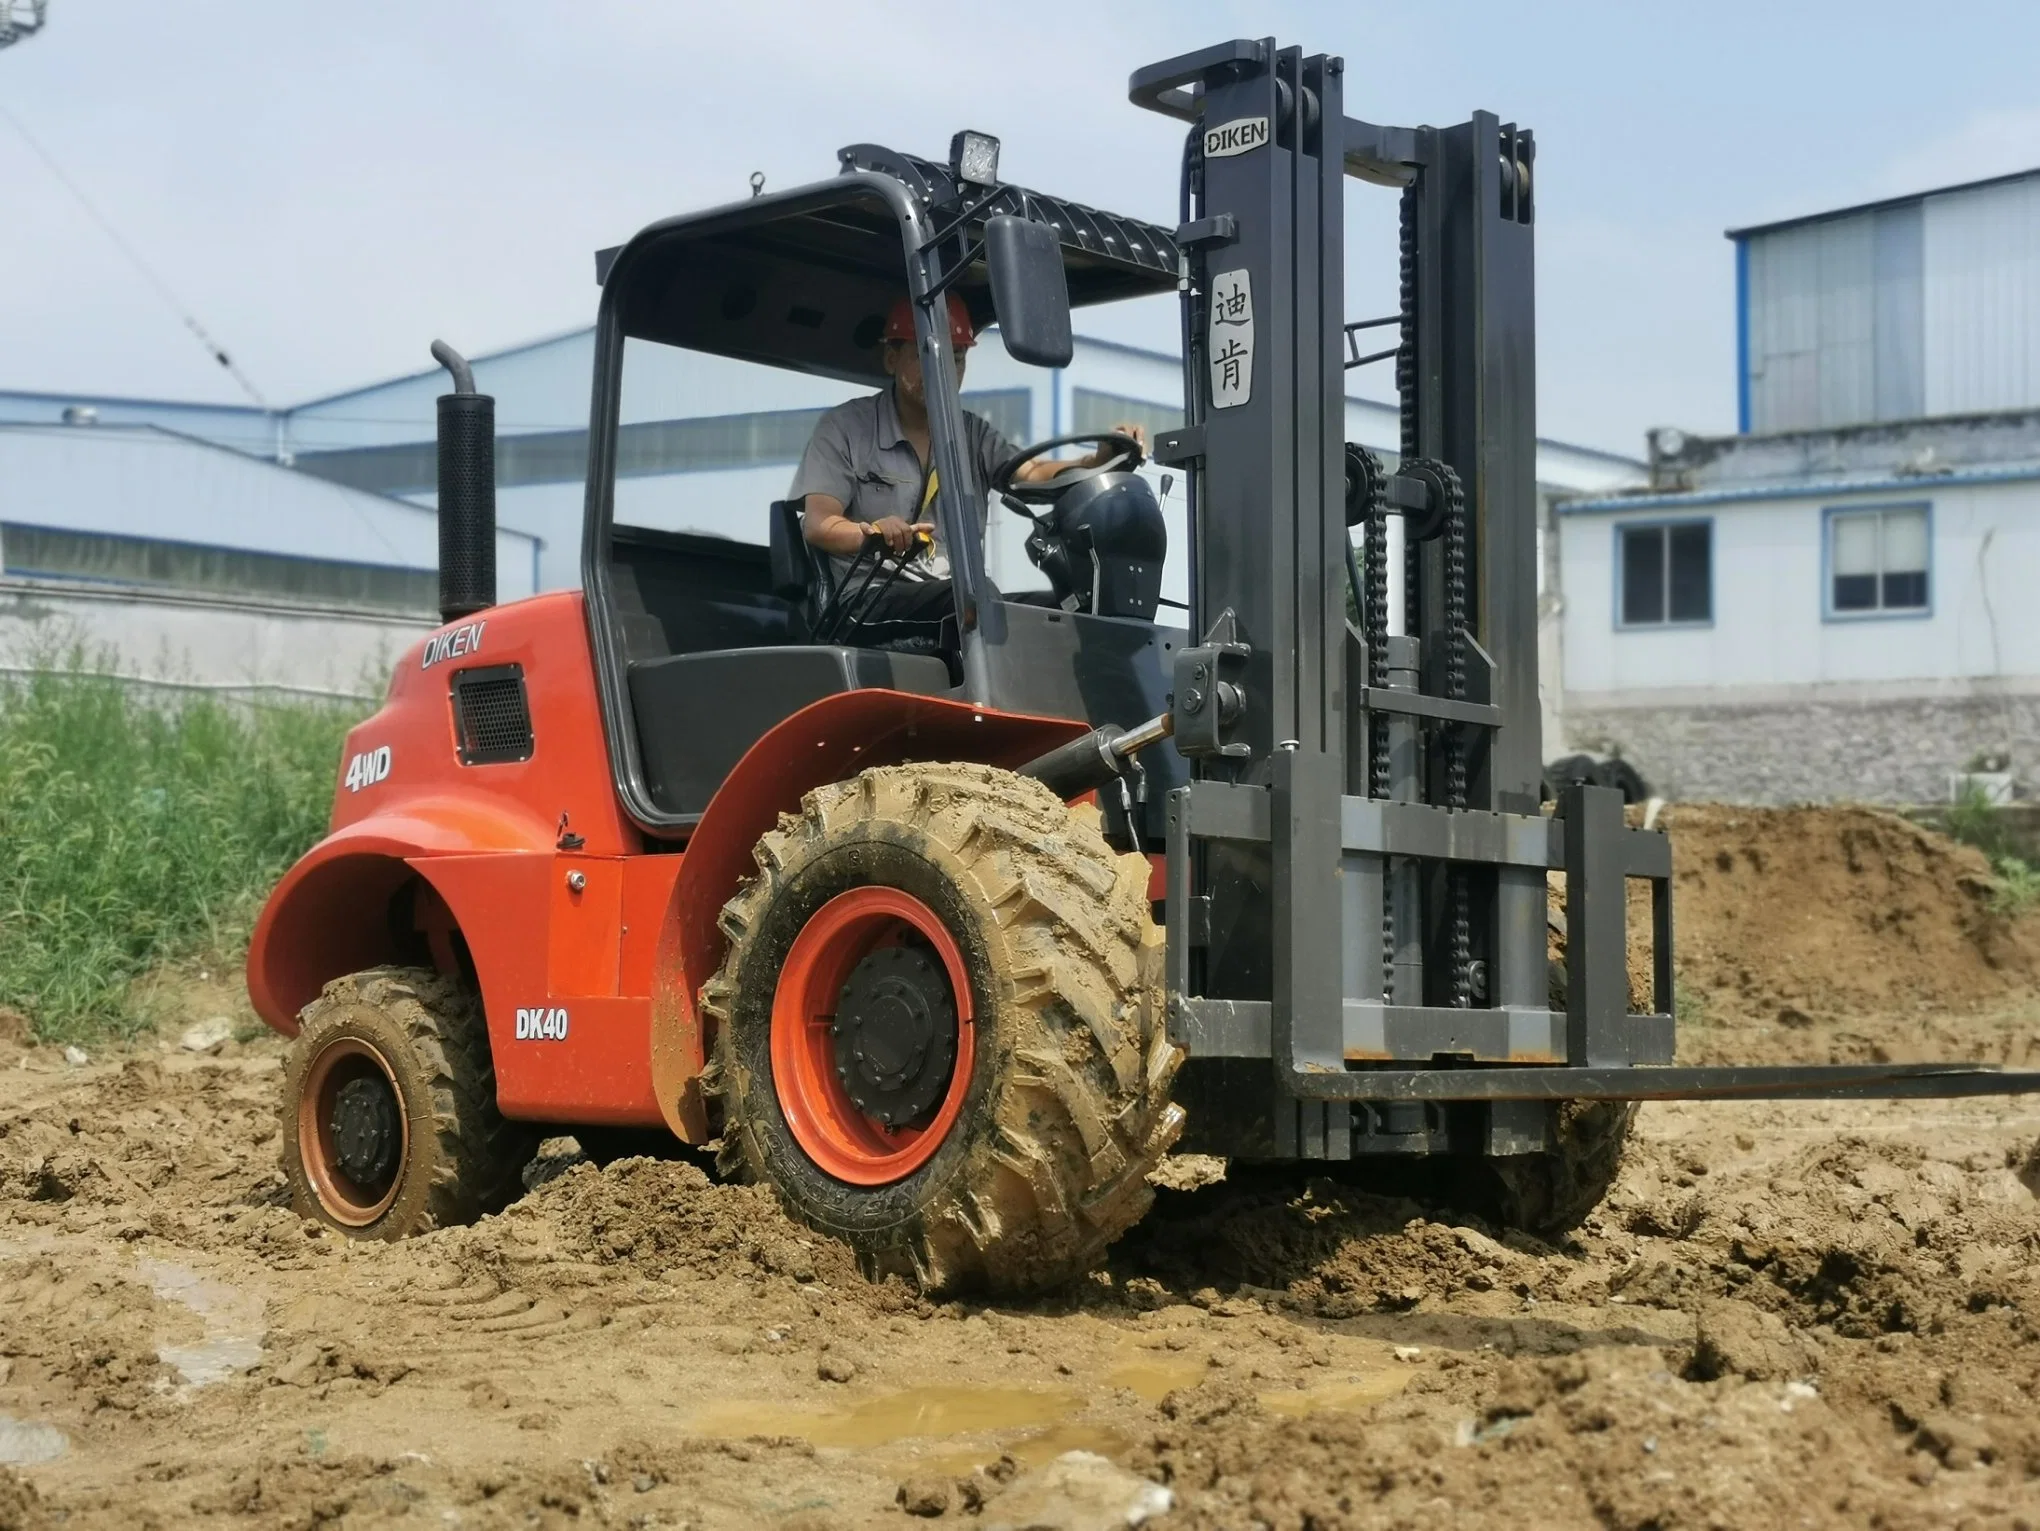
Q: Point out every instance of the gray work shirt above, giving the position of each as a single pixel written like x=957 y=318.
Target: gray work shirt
x=859 y=457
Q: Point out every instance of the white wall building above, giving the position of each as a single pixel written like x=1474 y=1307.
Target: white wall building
x=1837 y=603
x=707 y=445
x=172 y=559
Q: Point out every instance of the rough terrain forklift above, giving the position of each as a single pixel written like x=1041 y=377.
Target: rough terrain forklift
x=950 y=935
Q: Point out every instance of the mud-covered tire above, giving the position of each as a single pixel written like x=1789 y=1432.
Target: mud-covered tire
x=459 y=1158
x=1554 y=1191
x=1067 y=1105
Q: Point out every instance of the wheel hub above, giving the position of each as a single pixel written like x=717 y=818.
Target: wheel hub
x=895 y=1034
x=366 y=1129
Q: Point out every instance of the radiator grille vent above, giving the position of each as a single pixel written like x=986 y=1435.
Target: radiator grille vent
x=491 y=716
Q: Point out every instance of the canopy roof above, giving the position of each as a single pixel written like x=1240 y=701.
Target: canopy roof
x=803 y=279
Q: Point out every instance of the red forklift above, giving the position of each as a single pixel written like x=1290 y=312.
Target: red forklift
x=950 y=933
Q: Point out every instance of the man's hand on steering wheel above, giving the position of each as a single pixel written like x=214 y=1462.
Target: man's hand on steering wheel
x=1105 y=453
x=1041 y=469
x=1032 y=475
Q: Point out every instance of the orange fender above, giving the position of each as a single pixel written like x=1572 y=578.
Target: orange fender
x=325 y=917
x=828 y=741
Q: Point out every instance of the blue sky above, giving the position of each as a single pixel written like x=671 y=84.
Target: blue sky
x=327 y=187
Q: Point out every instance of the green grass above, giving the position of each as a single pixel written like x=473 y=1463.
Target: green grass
x=1974 y=821
x=2018 y=885
x=138 y=830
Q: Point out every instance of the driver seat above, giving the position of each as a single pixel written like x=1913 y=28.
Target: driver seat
x=805 y=576
x=801 y=574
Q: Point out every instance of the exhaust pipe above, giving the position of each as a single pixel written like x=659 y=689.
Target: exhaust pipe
x=467 y=492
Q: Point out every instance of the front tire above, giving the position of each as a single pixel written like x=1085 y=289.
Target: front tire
x=1552 y=1192
x=1001 y=963
x=389 y=1120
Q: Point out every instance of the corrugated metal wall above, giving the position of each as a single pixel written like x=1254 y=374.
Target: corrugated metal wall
x=1982 y=299
x=1835 y=321
x=1929 y=307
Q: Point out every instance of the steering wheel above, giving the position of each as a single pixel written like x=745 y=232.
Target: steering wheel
x=1126 y=455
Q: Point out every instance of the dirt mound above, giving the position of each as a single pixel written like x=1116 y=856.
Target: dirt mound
x=661 y=1216
x=1329 y=1249
x=1796 y=915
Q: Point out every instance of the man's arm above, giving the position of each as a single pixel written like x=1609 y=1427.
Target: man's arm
x=1044 y=468
x=824 y=484
x=823 y=523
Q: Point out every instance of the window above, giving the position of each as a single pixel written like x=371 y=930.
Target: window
x=53 y=553
x=1092 y=409
x=702 y=443
x=1877 y=560
x=1667 y=573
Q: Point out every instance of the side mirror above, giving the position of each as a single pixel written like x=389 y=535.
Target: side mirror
x=1029 y=291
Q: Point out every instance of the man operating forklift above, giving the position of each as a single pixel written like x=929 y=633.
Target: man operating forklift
x=866 y=475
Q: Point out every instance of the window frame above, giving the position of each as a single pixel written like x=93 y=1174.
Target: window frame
x=1879 y=613
x=1617 y=573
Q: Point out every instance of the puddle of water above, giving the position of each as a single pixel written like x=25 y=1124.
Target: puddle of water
x=929 y=1411
x=232 y=1320
x=1036 y=1449
x=1357 y=1393
x=211 y=1360
x=1150 y=1380
x=26 y=1441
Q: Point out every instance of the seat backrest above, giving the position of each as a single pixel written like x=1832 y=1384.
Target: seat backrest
x=791 y=572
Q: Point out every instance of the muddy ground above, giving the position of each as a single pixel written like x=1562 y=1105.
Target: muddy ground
x=1785 y=1315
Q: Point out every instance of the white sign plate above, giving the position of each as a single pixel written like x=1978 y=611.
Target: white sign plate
x=1232 y=339
x=1235 y=137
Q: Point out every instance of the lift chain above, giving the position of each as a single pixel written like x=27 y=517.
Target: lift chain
x=1377 y=528
x=1456 y=573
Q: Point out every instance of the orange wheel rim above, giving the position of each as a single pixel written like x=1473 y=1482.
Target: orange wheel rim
x=346 y=1200
x=828 y=1125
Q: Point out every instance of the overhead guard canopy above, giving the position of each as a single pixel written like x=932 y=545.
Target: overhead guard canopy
x=803 y=278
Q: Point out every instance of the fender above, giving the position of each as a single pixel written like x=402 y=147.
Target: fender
x=313 y=929
x=828 y=741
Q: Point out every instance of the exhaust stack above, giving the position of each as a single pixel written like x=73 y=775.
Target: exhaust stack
x=467 y=492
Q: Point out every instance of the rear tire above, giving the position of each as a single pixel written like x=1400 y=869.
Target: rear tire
x=1056 y=1105
x=412 y=1049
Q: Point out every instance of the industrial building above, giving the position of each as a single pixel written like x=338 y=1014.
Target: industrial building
x=166 y=557
x=1833 y=604
x=708 y=443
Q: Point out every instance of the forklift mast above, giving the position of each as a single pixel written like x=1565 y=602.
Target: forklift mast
x=1366 y=877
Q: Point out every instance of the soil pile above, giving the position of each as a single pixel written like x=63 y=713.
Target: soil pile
x=1790 y=914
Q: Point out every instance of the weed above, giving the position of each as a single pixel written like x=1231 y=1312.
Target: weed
x=136 y=831
x=2018 y=885
x=1974 y=820
x=1689 y=1007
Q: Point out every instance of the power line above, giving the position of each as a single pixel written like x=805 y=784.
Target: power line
x=213 y=348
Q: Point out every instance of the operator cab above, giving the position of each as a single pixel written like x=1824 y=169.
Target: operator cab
x=713 y=620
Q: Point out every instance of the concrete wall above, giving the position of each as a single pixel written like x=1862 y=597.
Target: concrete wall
x=1813 y=744
x=246 y=648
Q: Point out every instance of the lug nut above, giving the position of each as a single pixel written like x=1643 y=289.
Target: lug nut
x=576 y=881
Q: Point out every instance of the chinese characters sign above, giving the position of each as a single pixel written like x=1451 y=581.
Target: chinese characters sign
x=1232 y=339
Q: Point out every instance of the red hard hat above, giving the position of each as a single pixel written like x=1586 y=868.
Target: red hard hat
x=899 y=324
